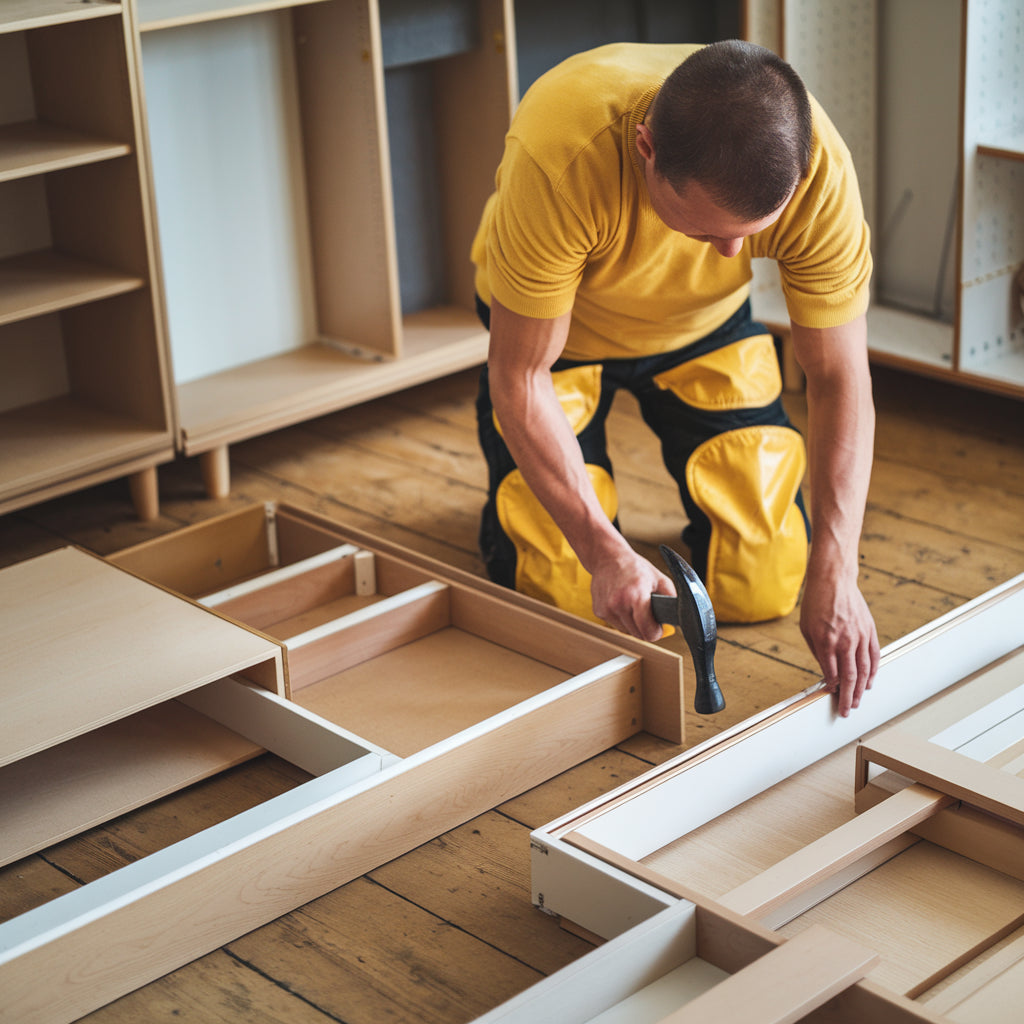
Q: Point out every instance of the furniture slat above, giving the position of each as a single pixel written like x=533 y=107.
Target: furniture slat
x=973 y=979
x=367 y=633
x=783 y=985
x=288 y=590
x=312 y=743
x=839 y=849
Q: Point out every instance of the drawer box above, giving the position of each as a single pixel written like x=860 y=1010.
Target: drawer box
x=416 y=696
x=764 y=821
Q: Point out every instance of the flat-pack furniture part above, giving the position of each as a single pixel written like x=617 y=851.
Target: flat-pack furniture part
x=416 y=697
x=899 y=827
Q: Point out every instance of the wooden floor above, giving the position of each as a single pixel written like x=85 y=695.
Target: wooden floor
x=448 y=931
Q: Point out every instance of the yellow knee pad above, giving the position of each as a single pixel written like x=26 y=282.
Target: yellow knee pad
x=746 y=481
x=546 y=566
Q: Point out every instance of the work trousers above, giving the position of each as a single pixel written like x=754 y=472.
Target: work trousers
x=726 y=440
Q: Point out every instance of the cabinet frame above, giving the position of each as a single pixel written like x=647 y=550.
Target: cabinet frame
x=591 y=866
x=367 y=806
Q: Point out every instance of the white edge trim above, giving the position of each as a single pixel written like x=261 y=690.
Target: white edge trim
x=372 y=611
x=912 y=670
x=609 y=975
x=275 y=576
x=124 y=886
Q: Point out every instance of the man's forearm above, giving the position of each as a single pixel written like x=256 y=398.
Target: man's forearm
x=547 y=453
x=834 y=616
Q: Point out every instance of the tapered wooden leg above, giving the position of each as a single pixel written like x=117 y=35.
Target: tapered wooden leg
x=145 y=493
x=216 y=469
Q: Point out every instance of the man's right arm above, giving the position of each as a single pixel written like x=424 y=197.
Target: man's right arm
x=538 y=434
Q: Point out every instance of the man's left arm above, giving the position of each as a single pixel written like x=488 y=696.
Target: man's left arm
x=834 y=617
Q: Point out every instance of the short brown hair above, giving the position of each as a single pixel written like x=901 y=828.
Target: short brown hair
x=735 y=118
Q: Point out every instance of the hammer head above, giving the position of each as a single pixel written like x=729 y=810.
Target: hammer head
x=692 y=612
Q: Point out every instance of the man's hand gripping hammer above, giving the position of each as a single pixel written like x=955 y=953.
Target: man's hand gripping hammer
x=691 y=611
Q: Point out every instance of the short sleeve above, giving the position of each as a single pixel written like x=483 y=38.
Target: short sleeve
x=536 y=242
x=822 y=242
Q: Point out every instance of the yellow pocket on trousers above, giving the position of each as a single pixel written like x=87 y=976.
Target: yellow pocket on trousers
x=743 y=375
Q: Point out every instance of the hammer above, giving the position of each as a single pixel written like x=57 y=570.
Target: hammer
x=691 y=611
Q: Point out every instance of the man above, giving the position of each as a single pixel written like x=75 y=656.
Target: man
x=637 y=183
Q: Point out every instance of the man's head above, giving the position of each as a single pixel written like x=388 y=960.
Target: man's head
x=729 y=133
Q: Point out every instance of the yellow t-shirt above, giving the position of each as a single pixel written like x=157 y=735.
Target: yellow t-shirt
x=570 y=224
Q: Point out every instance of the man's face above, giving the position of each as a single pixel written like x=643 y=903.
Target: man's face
x=692 y=212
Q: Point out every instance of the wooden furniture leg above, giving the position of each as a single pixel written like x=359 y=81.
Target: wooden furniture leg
x=145 y=493
x=216 y=470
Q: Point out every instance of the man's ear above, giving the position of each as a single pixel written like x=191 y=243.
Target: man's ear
x=644 y=142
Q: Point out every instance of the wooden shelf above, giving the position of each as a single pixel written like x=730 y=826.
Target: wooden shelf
x=33 y=147
x=101 y=644
x=64 y=438
x=910 y=337
x=317 y=379
x=18 y=15
x=45 y=281
x=158 y=14
x=62 y=791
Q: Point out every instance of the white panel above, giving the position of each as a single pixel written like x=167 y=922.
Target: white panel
x=912 y=670
x=832 y=46
x=615 y=972
x=224 y=135
x=992 y=335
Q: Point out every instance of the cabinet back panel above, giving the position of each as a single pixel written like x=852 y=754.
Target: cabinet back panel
x=32 y=366
x=918 y=129
x=226 y=150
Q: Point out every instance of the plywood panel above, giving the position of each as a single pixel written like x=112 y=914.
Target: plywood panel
x=426 y=691
x=99 y=644
x=923 y=911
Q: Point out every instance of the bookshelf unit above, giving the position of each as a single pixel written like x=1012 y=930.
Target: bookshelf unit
x=316 y=255
x=927 y=95
x=83 y=394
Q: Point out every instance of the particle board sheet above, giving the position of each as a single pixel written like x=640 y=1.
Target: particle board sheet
x=925 y=912
x=92 y=778
x=426 y=691
x=86 y=643
x=731 y=849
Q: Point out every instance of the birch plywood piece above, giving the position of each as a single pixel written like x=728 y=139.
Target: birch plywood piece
x=95 y=777
x=423 y=692
x=86 y=644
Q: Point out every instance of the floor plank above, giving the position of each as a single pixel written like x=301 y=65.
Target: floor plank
x=447 y=931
